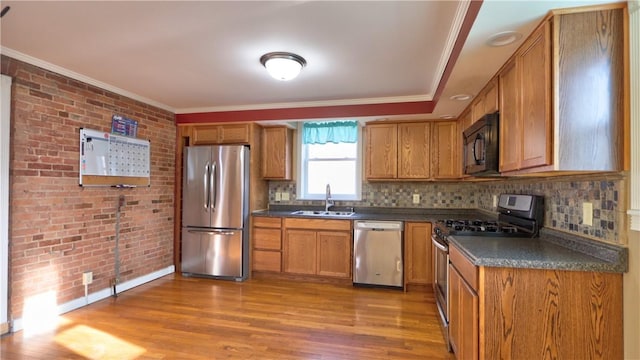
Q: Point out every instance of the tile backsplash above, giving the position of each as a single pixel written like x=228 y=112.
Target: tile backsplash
x=563 y=199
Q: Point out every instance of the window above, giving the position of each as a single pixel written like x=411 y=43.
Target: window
x=329 y=153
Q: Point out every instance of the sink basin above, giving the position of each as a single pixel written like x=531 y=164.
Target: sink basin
x=322 y=213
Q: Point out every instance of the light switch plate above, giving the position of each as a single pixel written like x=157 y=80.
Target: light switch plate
x=416 y=198
x=278 y=196
x=587 y=213
x=285 y=196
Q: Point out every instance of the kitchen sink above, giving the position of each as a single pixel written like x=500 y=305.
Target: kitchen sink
x=323 y=213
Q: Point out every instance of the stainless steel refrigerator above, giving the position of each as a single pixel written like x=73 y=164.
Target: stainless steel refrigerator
x=215 y=203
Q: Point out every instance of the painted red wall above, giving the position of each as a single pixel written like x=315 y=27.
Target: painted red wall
x=58 y=229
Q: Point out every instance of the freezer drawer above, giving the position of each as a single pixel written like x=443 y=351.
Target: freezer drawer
x=377 y=253
x=212 y=252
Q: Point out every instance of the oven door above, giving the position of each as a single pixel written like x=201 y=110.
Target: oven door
x=441 y=283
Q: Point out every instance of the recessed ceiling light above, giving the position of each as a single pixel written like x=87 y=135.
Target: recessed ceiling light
x=460 y=97
x=504 y=38
x=446 y=117
x=283 y=65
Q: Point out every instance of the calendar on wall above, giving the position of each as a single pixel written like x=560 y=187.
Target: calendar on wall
x=113 y=160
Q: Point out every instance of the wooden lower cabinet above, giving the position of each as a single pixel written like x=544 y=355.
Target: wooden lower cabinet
x=333 y=254
x=317 y=247
x=463 y=317
x=418 y=254
x=300 y=251
x=266 y=244
x=516 y=313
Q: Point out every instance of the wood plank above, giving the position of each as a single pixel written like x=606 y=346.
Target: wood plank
x=466 y=268
x=533 y=313
x=194 y=318
x=317 y=224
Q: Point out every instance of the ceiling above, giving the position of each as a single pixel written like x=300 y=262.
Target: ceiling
x=365 y=59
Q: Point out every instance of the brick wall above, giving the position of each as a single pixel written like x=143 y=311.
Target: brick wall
x=58 y=229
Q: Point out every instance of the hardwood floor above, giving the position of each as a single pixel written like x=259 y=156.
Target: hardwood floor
x=191 y=318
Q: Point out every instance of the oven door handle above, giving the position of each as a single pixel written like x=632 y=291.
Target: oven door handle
x=437 y=244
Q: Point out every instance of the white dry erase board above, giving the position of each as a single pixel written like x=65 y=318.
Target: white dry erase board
x=113 y=160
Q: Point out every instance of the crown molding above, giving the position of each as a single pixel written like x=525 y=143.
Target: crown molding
x=76 y=76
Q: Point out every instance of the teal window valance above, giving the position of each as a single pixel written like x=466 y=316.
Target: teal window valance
x=330 y=132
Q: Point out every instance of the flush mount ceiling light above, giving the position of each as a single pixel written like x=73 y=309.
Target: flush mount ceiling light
x=283 y=65
x=460 y=97
x=504 y=38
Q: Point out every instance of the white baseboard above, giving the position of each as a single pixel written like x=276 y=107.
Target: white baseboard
x=102 y=294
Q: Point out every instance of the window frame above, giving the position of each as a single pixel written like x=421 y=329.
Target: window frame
x=301 y=193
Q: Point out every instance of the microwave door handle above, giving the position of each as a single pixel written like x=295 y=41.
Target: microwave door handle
x=475 y=155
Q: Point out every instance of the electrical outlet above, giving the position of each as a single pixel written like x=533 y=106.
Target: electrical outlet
x=87 y=278
x=416 y=198
x=278 y=196
x=495 y=200
x=587 y=213
x=285 y=196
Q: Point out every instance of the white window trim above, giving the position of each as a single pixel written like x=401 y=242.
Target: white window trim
x=299 y=183
x=634 y=68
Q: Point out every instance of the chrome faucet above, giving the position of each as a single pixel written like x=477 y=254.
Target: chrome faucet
x=328 y=201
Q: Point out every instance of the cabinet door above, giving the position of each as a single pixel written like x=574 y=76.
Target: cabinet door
x=491 y=103
x=266 y=260
x=445 y=150
x=205 y=135
x=413 y=150
x=300 y=252
x=234 y=134
x=510 y=124
x=381 y=151
x=334 y=254
x=276 y=153
x=266 y=239
x=220 y=134
x=468 y=322
x=534 y=65
x=455 y=281
x=418 y=255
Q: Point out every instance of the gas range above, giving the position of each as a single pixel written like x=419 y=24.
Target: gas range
x=519 y=216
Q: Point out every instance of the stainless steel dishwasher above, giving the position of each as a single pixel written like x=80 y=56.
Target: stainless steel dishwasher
x=377 y=253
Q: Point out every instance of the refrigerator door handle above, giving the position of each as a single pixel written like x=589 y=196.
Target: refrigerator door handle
x=206 y=191
x=213 y=232
x=213 y=190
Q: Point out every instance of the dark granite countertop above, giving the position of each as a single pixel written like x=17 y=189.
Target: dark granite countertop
x=552 y=250
x=380 y=213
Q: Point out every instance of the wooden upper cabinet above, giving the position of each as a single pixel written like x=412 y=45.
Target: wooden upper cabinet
x=534 y=67
x=277 y=147
x=445 y=150
x=556 y=114
x=591 y=102
x=381 y=151
x=413 y=150
x=510 y=122
x=220 y=134
x=525 y=104
x=486 y=102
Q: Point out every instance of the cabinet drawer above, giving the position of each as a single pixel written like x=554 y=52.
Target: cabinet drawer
x=466 y=268
x=267 y=260
x=317 y=224
x=270 y=222
x=266 y=239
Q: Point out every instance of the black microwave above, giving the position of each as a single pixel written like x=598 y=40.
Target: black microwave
x=481 y=147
